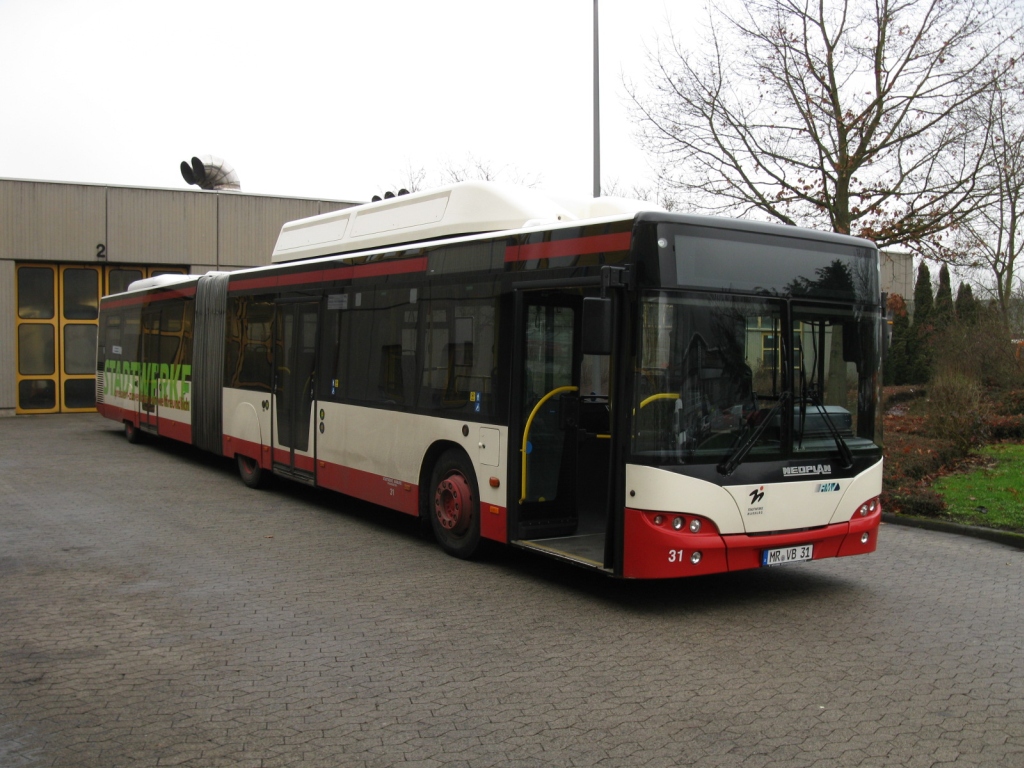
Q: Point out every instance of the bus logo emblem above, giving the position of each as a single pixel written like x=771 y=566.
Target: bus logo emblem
x=756 y=495
x=828 y=487
x=808 y=469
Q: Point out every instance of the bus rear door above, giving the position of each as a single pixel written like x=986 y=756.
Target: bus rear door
x=294 y=442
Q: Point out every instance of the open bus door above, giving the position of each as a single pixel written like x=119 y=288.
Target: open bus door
x=563 y=436
x=293 y=391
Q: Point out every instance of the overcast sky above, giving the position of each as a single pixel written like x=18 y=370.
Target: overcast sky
x=314 y=98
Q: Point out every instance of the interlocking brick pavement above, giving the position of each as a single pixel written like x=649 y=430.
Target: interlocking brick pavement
x=155 y=612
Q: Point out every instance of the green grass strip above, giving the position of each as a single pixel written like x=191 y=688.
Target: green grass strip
x=992 y=497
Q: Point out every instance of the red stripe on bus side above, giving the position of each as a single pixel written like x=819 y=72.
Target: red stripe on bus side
x=303 y=463
x=400 y=496
x=234 y=446
x=338 y=273
x=355 y=271
x=146 y=298
x=406 y=266
x=176 y=430
x=494 y=522
x=377 y=489
x=393 y=494
x=256 y=283
x=117 y=413
x=618 y=241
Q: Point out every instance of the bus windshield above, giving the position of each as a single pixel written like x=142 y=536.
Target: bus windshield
x=725 y=378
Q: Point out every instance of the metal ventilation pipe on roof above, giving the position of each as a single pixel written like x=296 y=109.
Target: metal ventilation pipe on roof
x=209 y=172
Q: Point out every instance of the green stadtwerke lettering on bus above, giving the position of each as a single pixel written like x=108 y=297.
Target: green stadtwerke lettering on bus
x=169 y=386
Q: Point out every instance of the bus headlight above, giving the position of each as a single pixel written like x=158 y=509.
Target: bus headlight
x=868 y=507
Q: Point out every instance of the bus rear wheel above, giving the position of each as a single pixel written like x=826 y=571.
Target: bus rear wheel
x=455 y=505
x=132 y=433
x=252 y=474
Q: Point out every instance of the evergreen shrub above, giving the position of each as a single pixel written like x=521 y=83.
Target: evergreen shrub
x=957 y=411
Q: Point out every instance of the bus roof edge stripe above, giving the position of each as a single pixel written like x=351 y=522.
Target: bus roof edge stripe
x=618 y=241
x=318 y=276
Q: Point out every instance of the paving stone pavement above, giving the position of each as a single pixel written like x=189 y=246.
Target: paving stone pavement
x=155 y=612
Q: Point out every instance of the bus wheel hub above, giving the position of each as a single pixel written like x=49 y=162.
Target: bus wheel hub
x=451 y=503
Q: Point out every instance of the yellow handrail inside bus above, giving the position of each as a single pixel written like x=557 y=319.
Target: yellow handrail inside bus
x=529 y=423
x=660 y=396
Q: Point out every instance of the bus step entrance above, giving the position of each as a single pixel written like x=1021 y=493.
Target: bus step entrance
x=580 y=537
x=586 y=550
x=298 y=475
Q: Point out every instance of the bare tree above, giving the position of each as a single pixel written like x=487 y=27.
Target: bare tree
x=475 y=169
x=992 y=240
x=656 y=193
x=845 y=113
x=416 y=178
x=413 y=178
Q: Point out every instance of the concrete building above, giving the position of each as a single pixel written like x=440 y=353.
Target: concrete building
x=898 y=275
x=63 y=246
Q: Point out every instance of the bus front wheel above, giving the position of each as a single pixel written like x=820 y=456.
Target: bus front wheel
x=455 y=505
x=252 y=474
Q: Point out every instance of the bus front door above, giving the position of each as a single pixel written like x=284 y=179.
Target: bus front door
x=294 y=442
x=564 y=432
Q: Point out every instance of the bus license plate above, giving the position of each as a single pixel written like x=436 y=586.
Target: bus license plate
x=785 y=555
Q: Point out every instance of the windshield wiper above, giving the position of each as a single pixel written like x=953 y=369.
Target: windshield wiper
x=844 y=449
x=743 y=448
x=809 y=392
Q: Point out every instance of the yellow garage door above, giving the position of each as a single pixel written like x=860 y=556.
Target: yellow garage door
x=58 y=310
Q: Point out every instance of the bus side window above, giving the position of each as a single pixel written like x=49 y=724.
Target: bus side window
x=248 y=348
x=232 y=340
x=151 y=334
x=365 y=349
x=391 y=379
x=255 y=371
x=130 y=333
x=171 y=319
x=186 y=333
x=459 y=355
x=355 y=371
x=436 y=358
x=393 y=348
x=109 y=347
x=330 y=358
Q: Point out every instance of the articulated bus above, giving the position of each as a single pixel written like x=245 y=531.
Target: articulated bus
x=647 y=394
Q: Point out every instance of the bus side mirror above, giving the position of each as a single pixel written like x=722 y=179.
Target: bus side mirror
x=597 y=326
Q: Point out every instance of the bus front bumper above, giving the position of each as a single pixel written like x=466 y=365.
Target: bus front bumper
x=661 y=552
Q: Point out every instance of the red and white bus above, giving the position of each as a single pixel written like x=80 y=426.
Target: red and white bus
x=648 y=394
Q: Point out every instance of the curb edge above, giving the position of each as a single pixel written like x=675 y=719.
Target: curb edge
x=1007 y=538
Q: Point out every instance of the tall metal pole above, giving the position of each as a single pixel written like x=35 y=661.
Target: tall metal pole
x=597 y=113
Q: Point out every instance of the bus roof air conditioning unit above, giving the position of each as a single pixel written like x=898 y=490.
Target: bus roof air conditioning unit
x=211 y=173
x=464 y=208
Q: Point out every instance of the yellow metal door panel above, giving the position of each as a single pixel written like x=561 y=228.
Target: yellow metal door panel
x=37 y=339
x=79 y=320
